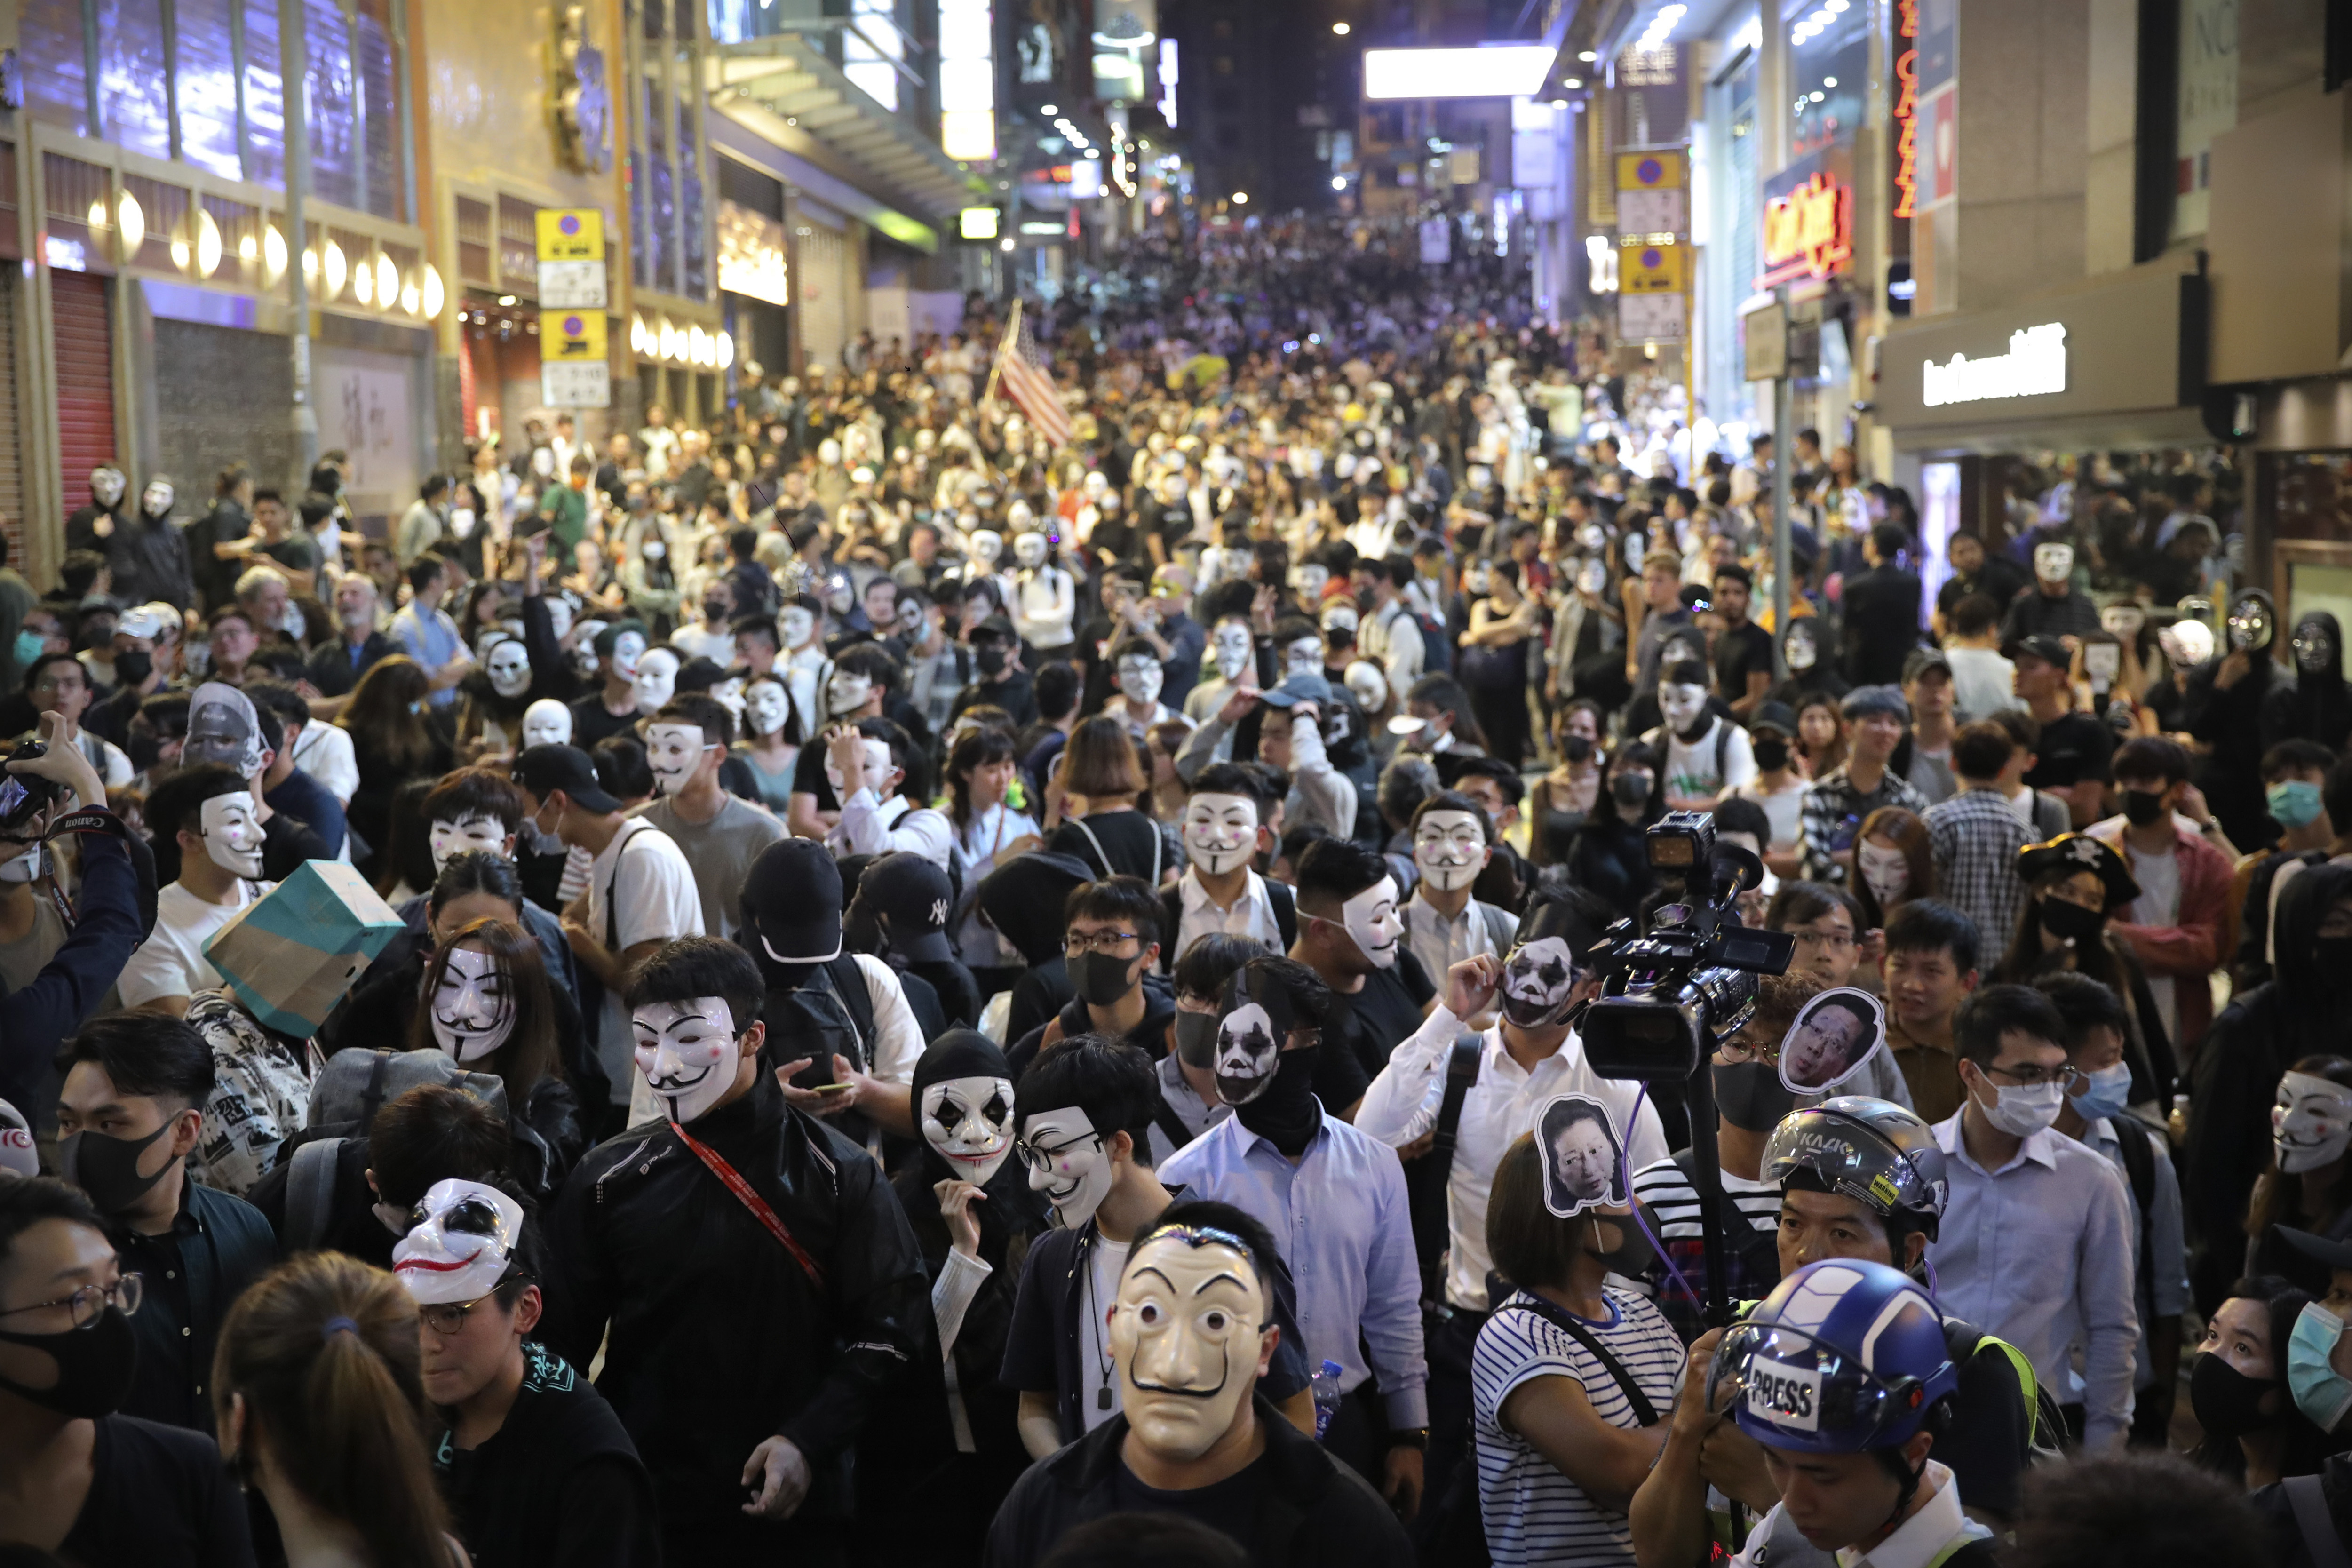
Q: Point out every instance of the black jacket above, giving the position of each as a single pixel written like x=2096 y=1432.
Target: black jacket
x=1311 y=1509
x=111 y=923
x=718 y=1338
x=1882 y=625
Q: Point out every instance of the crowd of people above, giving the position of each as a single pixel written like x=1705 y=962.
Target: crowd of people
x=865 y=983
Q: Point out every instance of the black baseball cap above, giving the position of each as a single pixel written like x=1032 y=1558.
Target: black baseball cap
x=1773 y=716
x=1920 y=660
x=914 y=895
x=2041 y=645
x=543 y=770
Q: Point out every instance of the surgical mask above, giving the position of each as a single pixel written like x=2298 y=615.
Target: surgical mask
x=2320 y=1392
x=107 y=1168
x=1100 y=978
x=2144 y=808
x=1632 y=1257
x=2227 y=1402
x=94 y=1366
x=29 y=645
x=2022 y=1110
x=2103 y=1093
x=1752 y=1096
x=1631 y=791
x=2291 y=803
x=1196 y=1038
x=989 y=660
x=132 y=666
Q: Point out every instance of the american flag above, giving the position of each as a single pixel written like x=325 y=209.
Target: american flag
x=1030 y=383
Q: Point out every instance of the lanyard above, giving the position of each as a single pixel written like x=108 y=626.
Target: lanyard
x=751 y=1201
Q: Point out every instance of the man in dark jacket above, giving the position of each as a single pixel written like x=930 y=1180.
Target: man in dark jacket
x=760 y=1285
x=147 y=554
x=1881 y=611
x=1190 y=1334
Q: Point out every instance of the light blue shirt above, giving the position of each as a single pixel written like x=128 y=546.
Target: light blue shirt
x=1341 y=1219
x=431 y=638
x=2039 y=1253
x=2165 y=1294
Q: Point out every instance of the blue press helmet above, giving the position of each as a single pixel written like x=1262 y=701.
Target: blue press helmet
x=1844 y=1357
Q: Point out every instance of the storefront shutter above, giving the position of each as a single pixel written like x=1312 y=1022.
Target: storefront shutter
x=84 y=341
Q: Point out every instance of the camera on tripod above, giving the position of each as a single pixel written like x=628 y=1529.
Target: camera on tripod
x=1689 y=979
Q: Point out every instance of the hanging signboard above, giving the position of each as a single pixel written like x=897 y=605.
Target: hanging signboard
x=572 y=257
x=573 y=372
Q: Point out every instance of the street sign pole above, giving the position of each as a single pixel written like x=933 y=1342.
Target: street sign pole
x=1783 y=500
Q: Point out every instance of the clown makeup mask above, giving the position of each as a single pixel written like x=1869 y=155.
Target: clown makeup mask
x=657 y=680
x=107 y=485
x=687 y=1052
x=451 y=838
x=1450 y=848
x=879 y=771
x=628 y=651
x=459 y=1243
x=674 y=751
x=797 y=624
x=1537 y=980
x=2311 y=1123
x=766 y=705
x=1234 y=644
x=547 y=722
x=1029 y=550
x=508 y=667
x=1220 y=832
x=1140 y=678
x=1372 y=920
x=1188 y=1339
x=2054 y=562
x=473 y=1006
x=1685 y=706
x=1251 y=1035
x=156 y=499
x=1068 y=1161
x=846 y=693
x=231 y=834
x=970 y=1121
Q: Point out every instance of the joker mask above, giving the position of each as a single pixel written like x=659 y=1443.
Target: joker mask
x=2311 y=1123
x=1537 y=980
x=232 y=835
x=766 y=706
x=1372 y=920
x=970 y=1121
x=687 y=1052
x=459 y=1244
x=1140 y=678
x=1220 y=831
x=673 y=752
x=628 y=649
x=846 y=693
x=1188 y=1338
x=1684 y=705
x=1234 y=644
x=509 y=666
x=1450 y=848
x=1068 y=1161
x=657 y=680
x=797 y=624
x=547 y=722
x=1256 y=1024
x=1029 y=550
x=465 y=835
x=473 y=1006
x=2054 y=562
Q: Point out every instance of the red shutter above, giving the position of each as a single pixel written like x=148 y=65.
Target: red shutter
x=84 y=381
x=11 y=432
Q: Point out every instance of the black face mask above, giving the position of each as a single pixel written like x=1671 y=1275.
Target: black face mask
x=1631 y=791
x=1771 y=753
x=990 y=660
x=1632 y=1255
x=2070 y=922
x=2144 y=808
x=2227 y=1402
x=133 y=666
x=107 y=1168
x=1752 y=1096
x=1196 y=1038
x=1576 y=748
x=2332 y=954
x=1286 y=1115
x=1100 y=978
x=94 y=1366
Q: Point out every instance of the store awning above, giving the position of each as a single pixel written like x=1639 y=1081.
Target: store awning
x=790 y=76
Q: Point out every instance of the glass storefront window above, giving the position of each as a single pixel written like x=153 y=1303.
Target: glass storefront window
x=332 y=104
x=131 y=88
x=2315 y=496
x=56 y=76
x=206 y=72
x=264 y=97
x=1829 y=62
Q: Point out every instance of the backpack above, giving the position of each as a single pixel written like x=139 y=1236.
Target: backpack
x=1436 y=647
x=1425 y=1178
x=2133 y=1141
x=1171 y=908
x=350 y=1090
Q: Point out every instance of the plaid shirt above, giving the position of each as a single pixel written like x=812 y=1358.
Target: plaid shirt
x=1976 y=836
x=1835 y=811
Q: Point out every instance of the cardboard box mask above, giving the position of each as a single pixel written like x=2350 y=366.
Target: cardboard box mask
x=293 y=954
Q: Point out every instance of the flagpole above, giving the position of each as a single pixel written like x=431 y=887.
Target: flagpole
x=1012 y=332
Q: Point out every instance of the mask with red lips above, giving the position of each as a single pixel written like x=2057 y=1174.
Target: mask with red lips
x=963 y=1091
x=460 y=1242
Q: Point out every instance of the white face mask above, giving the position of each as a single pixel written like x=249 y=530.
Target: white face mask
x=1220 y=831
x=2311 y=1123
x=461 y=521
x=156 y=499
x=2054 y=562
x=1594 y=577
x=846 y=693
x=1683 y=706
x=797 y=624
x=547 y=722
x=1140 y=678
x=1372 y=920
x=1450 y=848
x=1186 y=1338
x=1029 y=549
x=474 y=833
x=2022 y=1110
x=473 y=1008
x=728 y=694
x=628 y=649
x=24 y=867
x=461 y=1246
x=674 y=751
x=232 y=835
x=766 y=706
x=1887 y=871
x=2101 y=662
x=657 y=680
x=509 y=668
x=1312 y=579
x=970 y=1121
x=1233 y=646
x=686 y=1051
x=1077 y=1173
x=559 y=616
x=1799 y=652
x=1303 y=657
x=879 y=769
x=106 y=486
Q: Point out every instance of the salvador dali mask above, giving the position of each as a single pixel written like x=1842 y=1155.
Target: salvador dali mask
x=1684 y=705
x=969 y=1121
x=1254 y=1027
x=673 y=752
x=1233 y=646
x=766 y=706
x=2311 y=1124
x=231 y=833
x=1068 y=1162
x=1187 y=1340
x=509 y=666
x=450 y=839
x=1140 y=678
x=460 y=1242
x=1220 y=831
x=547 y=722
x=2054 y=562
x=473 y=1006
x=687 y=1052
x=1372 y=920
x=1450 y=848
x=657 y=680
x=1537 y=980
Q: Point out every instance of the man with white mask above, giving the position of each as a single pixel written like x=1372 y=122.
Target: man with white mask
x=686 y=745
x=92 y=526
x=865 y=763
x=750 y=1279
x=1350 y=935
x=857 y=686
x=497 y=697
x=210 y=811
x=1228 y=824
x=1086 y=1108
x=1138 y=675
x=806 y=667
x=147 y=555
x=1452 y=840
x=1705 y=753
x=612 y=709
x=2052 y=607
x=1045 y=598
x=1231 y=654
x=657 y=680
x=546 y=722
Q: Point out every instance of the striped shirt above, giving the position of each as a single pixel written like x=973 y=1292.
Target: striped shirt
x=1751 y=1263
x=1534 y=1515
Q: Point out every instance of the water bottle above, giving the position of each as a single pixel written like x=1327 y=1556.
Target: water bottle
x=1326 y=1387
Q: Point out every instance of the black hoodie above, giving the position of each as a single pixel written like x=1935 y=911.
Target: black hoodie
x=2318 y=706
x=2230 y=720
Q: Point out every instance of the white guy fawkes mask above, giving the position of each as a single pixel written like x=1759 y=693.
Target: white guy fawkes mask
x=1220 y=831
x=1303 y=657
x=879 y=769
x=473 y=1006
x=462 y=837
x=846 y=693
x=728 y=694
x=509 y=668
x=1684 y=705
x=1594 y=577
x=547 y=722
x=232 y=835
x=156 y=499
x=766 y=706
x=657 y=680
x=461 y=521
x=797 y=624
x=1234 y=647
x=2311 y=1124
x=1187 y=1340
x=1371 y=917
x=1450 y=848
x=2054 y=562
x=987 y=548
x=1029 y=549
x=1312 y=579
x=687 y=1052
x=1886 y=872
x=1537 y=981
x=107 y=485
x=1140 y=678
x=673 y=752
x=628 y=651
x=970 y=1121
x=1068 y=1162
x=459 y=1243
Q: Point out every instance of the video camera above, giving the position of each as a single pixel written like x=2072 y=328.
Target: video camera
x=1690 y=978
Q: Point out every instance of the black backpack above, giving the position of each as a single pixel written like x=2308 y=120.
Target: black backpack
x=1425 y=1178
x=1171 y=911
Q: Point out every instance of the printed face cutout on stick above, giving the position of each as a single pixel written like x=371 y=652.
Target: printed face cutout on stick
x=1069 y=1162
x=1220 y=831
x=1254 y=1027
x=687 y=1051
x=674 y=751
x=1371 y=917
x=1450 y=849
x=2311 y=1121
x=473 y=1006
x=1581 y=1151
x=460 y=1241
x=1187 y=1340
x=1831 y=1040
x=969 y=1121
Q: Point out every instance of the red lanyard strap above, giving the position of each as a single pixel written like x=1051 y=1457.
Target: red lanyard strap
x=751 y=1201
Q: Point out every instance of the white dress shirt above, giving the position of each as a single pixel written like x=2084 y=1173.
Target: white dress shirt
x=1441 y=941
x=1252 y=914
x=1405 y=1100
x=871 y=826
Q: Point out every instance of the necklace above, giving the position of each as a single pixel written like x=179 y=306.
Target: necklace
x=1102 y=1339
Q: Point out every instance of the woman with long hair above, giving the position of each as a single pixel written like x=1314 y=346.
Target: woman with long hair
x=1560 y=802
x=320 y=1405
x=486 y=1002
x=393 y=741
x=2296 y=1193
x=404 y=861
x=1821 y=734
x=990 y=829
x=1609 y=853
x=2238 y=1388
x=1091 y=806
x=1894 y=864
x=1504 y=624
x=771 y=743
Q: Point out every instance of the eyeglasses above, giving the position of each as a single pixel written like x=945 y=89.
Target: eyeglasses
x=86 y=1305
x=1833 y=938
x=1079 y=941
x=2034 y=1077
x=1040 y=1157
x=447 y=1318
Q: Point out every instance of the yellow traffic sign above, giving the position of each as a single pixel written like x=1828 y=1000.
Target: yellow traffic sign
x=1650 y=172
x=1649 y=269
x=571 y=233
x=572 y=337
